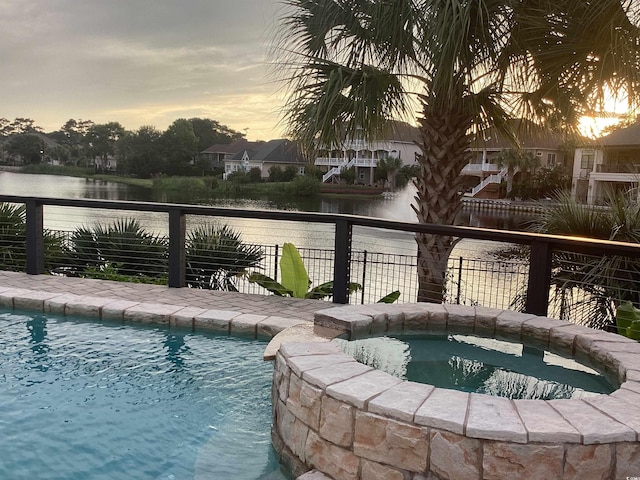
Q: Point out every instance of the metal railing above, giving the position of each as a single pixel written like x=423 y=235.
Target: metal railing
x=348 y=264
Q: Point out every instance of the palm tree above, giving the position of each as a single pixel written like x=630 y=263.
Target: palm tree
x=515 y=161
x=458 y=66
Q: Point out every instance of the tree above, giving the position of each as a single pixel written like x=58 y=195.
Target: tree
x=515 y=161
x=28 y=146
x=387 y=169
x=211 y=132
x=180 y=145
x=352 y=66
x=102 y=139
x=142 y=152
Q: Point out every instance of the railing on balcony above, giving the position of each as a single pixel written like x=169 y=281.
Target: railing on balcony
x=341 y=260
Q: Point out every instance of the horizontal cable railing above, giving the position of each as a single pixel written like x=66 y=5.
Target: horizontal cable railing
x=179 y=245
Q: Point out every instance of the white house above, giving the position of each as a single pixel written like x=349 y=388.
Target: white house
x=611 y=162
x=401 y=142
x=281 y=153
x=485 y=176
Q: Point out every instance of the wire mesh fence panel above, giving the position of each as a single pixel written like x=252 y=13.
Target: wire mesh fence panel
x=587 y=289
x=380 y=274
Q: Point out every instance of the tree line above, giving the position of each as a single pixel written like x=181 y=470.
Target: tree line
x=143 y=152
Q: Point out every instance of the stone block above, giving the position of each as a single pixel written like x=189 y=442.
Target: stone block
x=401 y=401
x=345 y=319
x=337 y=462
x=507 y=460
x=57 y=304
x=246 y=324
x=627 y=460
x=336 y=422
x=588 y=461
x=150 y=313
x=460 y=317
x=335 y=373
x=455 y=456
x=444 y=409
x=115 y=310
x=376 y=471
x=271 y=326
x=537 y=330
x=617 y=409
x=309 y=348
x=313 y=475
x=302 y=364
x=544 y=424
x=293 y=432
x=494 y=418
x=304 y=401
x=358 y=390
x=185 y=317
x=32 y=300
x=7 y=296
x=86 y=306
x=215 y=320
x=391 y=442
x=417 y=318
x=509 y=324
x=486 y=320
x=593 y=425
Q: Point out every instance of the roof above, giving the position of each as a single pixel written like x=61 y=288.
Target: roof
x=628 y=136
x=234 y=147
x=279 y=151
x=529 y=134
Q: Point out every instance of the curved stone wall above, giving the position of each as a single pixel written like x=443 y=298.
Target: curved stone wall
x=349 y=421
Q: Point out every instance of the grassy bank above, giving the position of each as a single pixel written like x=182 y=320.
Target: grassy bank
x=82 y=172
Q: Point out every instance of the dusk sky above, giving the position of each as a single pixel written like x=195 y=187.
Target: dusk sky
x=140 y=62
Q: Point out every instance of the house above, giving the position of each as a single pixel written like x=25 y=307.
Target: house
x=264 y=155
x=218 y=153
x=611 y=162
x=485 y=176
x=401 y=142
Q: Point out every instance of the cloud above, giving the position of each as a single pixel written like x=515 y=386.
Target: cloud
x=92 y=59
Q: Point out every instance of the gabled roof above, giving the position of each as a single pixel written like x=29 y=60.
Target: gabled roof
x=279 y=151
x=629 y=136
x=528 y=133
x=232 y=148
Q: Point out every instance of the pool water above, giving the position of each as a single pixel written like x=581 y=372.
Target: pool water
x=83 y=400
x=481 y=365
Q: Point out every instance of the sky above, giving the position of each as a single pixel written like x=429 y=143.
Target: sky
x=140 y=62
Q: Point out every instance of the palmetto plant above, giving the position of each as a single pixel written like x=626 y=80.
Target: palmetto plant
x=124 y=246
x=593 y=286
x=13 y=240
x=216 y=255
x=458 y=66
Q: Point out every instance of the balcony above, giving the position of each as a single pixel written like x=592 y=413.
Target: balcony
x=477 y=169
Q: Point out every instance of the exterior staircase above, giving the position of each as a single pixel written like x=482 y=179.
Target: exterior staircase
x=337 y=170
x=496 y=178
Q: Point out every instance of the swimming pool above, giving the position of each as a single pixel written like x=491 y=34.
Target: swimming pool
x=83 y=399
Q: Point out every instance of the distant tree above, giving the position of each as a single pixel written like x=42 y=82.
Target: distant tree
x=24 y=125
x=28 y=146
x=211 y=132
x=142 y=152
x=101 y=139
x=289 y=173
x=387 y=168
x=348 y=175
x=73 y=135
x=180 y=145
x=515 y=161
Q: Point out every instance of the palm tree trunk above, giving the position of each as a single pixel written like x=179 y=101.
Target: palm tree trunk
x=445 y=151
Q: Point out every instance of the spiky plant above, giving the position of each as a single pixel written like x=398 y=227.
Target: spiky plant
x=216 y=255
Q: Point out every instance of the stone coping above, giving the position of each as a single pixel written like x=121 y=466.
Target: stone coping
x=179 y=316
x=595 y=419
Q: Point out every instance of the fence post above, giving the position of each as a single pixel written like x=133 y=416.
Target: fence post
x=342 y=262
x=364 y=276
x=539 y=278
x=35 y=237
x=177 y=257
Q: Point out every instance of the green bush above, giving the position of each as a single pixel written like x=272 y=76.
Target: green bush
x=304 y=186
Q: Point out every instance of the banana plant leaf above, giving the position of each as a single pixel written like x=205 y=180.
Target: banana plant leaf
x=390 y=298
x=293 y=273
x=270 y=284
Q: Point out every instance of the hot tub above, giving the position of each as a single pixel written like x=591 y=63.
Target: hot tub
x=346 y=420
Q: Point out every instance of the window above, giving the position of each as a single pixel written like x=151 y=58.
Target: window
x=588 y=157
x=551 y=158
x=301 y=171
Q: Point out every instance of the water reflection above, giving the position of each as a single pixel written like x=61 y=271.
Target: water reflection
x=37 y=328
x=176 y=348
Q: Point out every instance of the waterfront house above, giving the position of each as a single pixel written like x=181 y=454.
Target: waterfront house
x=274 y=153
x=484 y=175
x=400 y=142
x=218 y=153
x=610 y=163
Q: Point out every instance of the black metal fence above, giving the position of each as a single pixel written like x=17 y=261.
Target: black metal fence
x=526 y=282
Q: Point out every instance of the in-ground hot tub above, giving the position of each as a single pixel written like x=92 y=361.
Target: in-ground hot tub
x=350 y=421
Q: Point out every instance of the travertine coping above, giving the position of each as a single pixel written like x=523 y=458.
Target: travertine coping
x=112 y=309
x=346 y=420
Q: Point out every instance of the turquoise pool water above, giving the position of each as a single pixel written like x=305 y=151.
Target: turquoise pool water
x=477 y=364
x=87 y=400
